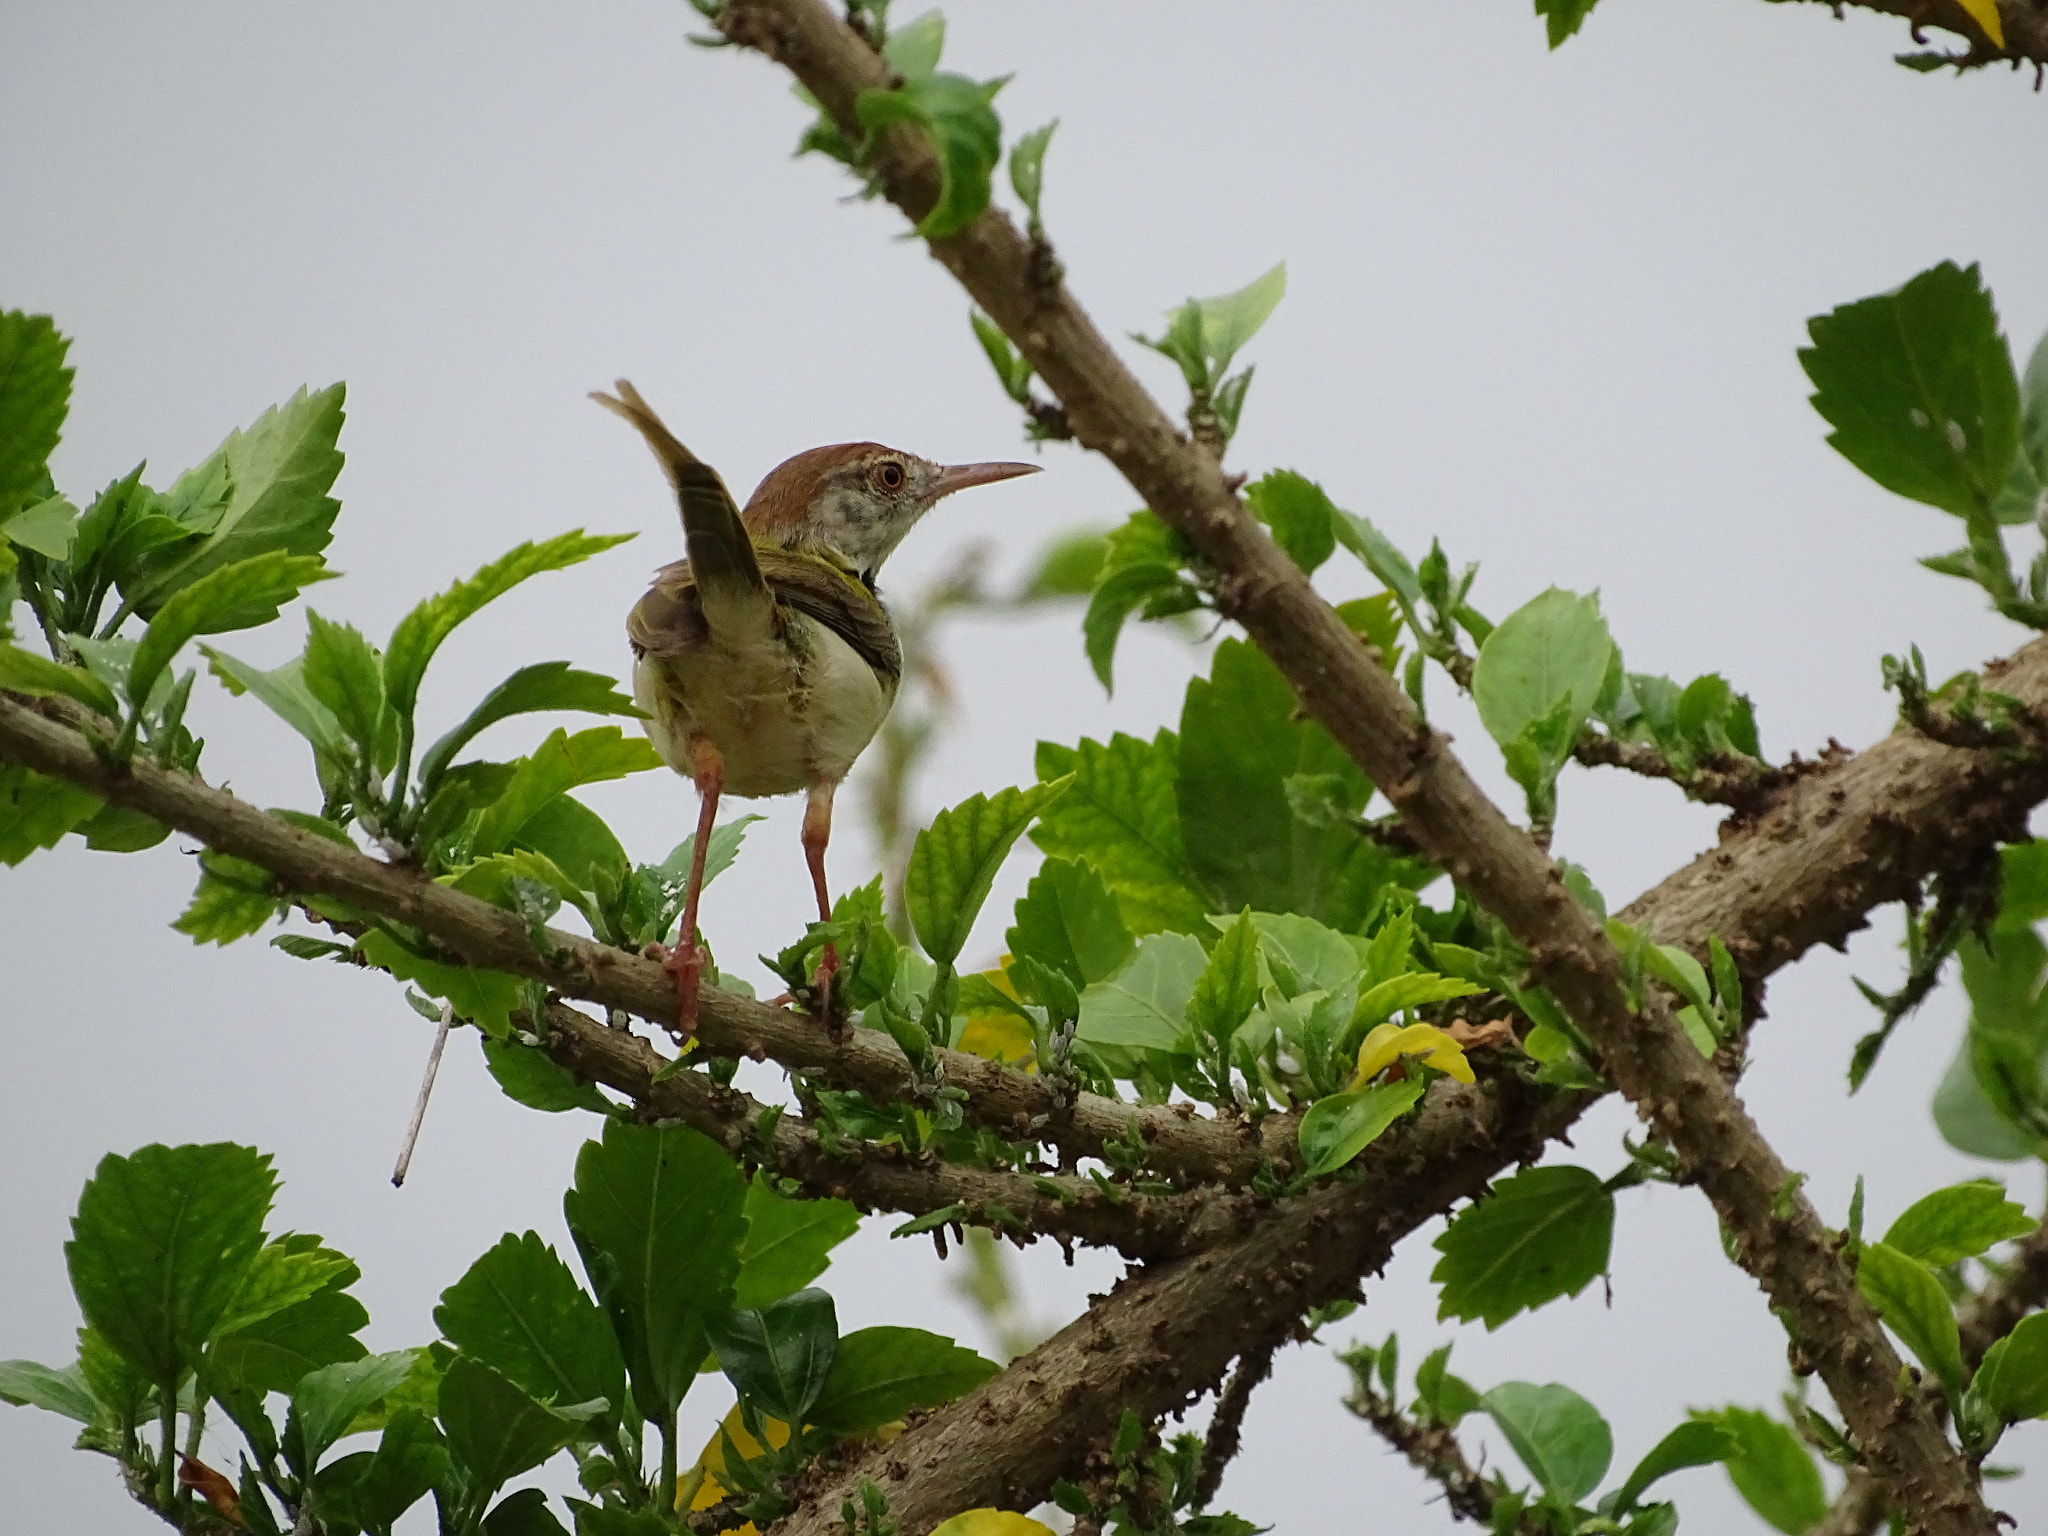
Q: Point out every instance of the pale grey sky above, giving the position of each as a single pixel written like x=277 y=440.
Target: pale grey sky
x=1542 y=306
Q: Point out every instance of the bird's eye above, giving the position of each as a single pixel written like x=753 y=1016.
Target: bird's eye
x=889 y=475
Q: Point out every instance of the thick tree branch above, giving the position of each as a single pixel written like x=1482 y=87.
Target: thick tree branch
x=1013 y=1103
x=1067 y=1209
x=2024 y=22
x=1777 y=1236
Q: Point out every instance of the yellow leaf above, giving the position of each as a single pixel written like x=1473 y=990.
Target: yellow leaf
x=1389 y=1043
x=709 y=1490
x=1985 y=14
x=991 y=1522
x=997 y=1033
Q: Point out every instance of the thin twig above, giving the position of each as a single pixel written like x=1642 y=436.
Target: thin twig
x=1434 y=1451
x=1253 y=1367
x=419 y=1108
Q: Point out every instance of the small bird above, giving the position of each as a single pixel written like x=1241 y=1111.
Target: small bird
x=765 y=662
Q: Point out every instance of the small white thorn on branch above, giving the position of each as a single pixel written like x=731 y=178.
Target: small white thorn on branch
x=419 y=1108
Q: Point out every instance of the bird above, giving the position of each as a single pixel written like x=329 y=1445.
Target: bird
x=765 y=662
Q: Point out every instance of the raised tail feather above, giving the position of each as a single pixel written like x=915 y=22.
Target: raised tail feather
x=722 y=558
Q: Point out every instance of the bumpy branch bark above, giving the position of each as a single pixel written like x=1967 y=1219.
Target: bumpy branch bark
x=1069 y=1210
x=1777 y=1235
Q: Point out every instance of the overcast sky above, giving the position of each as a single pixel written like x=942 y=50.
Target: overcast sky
x=1544 y=307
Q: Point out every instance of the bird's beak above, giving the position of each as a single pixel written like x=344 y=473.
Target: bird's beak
x=958 y=477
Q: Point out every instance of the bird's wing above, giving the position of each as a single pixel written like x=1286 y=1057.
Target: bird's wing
x=837 y=599
x=669 y=620
x=722 y=564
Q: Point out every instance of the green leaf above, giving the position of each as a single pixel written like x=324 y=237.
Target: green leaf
x=327 y=1402
x=1068 y=920
x=1695 y=1443
x=1553 y=649
x=29 y=1385
x=47 y=526
x=1447 y=1398
x=531 y=1077
x=1228 y=988
x=1338 y=1128
x=560 y=763
x=955 y=112
x=657 y=1217
x=955 y=859
x=1559 y=1436
x=1066 y=567
x=159 y=1244
x=36 y=811
x=913 y=48
x=276 y=1352
x=1204 y=335
x=1145 y=1004
x=1303 y=520
x=496 y=1431
x=1121 y=815
x=1027 y=167
x=788 y=1242
x=1563 y=18
x=411 y=1459
x=283 y=690
x=420 y=633
x=262 y=492
x=2012 y=1383
x=2023 y=883
x=342 y=671
x=227 y=597
x=1772 y=1469
x=1241 y=740
x=282 y=1274
x=234 y=899
x=881 y=1374
x=519 y=1310
x=548 y=685
x=1304 y=955
x=778 y=1356
x=35 y=394
x=1118 y=594
x=1377 y=552
x=1918 y=385
x=523 y=1513
x=1544 y=1233
x=1915 y=1307
x=1956 y=1223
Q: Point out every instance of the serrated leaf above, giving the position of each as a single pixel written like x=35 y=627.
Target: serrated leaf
x=954 y=862
x=1336 y=1129
x=1915 y=1307
x=788 y=1242
x=420 y=633
x=47 y=526
x=496 y=1431
x=657 y=1217
x=1563 y=18
x=1301 y=516
x=548 y=685
x=29 y=1385
x=159 y=1244
x=881 y=1374
x=227 y=597
x=1068 y=919
x=38 y=676
x=36 y=811
x=531 y=1077
x=1119 y=594
x=519 y=1310
x=262 y=492
x=560 y=763
x=778 y=1356
x=1918 y=385
x=410 y=1459
x=1027 y=167
x=1121 y=815
x=1228 y=988
x=1772 y=1469
x=954 y=112
x=1541 y=1234
x=283 y=690
x=1559 y=1436
x=1241 y=740
x=35 y=394
x=341 y=670
x=1144 y=1005
x=326 y=1404
x=1957 y=1223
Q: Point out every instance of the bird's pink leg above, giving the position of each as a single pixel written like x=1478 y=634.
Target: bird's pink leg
x=686 y=961
x=817 y=833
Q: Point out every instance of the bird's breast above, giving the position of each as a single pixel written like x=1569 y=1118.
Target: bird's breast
x=783 y=713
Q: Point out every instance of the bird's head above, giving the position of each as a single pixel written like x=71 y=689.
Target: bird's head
x=856 y=501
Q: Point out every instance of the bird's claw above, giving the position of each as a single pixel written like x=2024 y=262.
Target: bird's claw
x=686 y=965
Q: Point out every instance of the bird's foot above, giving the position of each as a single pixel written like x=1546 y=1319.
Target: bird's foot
x=686 y=964
x=821 y=992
